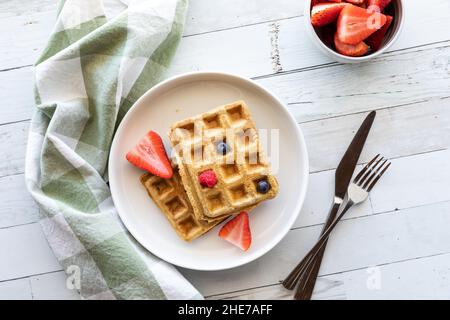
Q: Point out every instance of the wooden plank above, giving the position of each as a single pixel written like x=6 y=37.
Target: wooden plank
x=396 y=281
x=393 y=79
x=16 y=205
x=245 y=51
x=355 y=244
x=52 y=286
x=425 y=178
x=396 y=132
x=24 y=251
x=22 y=47
x=15 y=290
x=237 y=13
x=414 y=181
x=12 y=8
x=16 y=95
x=49 y=286
x=13 y=140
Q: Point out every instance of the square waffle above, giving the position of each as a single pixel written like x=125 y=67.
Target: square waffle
x=170 y=196
x=238 y=171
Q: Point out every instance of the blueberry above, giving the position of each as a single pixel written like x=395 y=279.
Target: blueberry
x=222 y=148
x=263 y=186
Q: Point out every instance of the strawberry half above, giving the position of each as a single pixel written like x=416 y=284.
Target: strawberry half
x=381 y=4
x=237 y=231
x=357 y=2
x=355 y=24
x=376 y=39
x=349 y=49
x=325 y=13
x=149 y=154
x=314 y=2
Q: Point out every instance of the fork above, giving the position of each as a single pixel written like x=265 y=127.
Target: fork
x=357 y=192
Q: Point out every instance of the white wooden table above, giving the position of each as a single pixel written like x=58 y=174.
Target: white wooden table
x=397 y=245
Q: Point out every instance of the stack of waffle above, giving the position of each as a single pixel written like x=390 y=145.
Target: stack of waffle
x=170 y=197
x=193 y=209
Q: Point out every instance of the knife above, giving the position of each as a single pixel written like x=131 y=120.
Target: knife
x=343 y=175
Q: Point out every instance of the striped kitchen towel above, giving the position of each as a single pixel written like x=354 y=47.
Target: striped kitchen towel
x=101 y=57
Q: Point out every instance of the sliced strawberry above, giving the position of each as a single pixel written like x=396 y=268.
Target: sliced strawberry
x=356 y=2
x=314 y=2
x=379 y=4
x=363 y=5
x=356 y=24
x=375 y=40
x=149 y=154
x=350 y=50
x=325 y=13
x=237 y=231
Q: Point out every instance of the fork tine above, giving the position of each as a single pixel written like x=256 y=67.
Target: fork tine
x=374 y=172
x=365 y=169
x=370 y=170
x=378 y=177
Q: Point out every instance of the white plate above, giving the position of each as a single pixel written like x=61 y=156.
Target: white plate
x=181 y=97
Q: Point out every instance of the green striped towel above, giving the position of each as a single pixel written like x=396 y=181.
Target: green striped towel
x=94 y=67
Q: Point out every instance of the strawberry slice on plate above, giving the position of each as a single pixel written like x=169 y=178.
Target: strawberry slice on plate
x=355 y=24
x=380 y=4
x=325 y=13
x=376 y=39
x=237 y=231
x=350 y=50
x=149 y=154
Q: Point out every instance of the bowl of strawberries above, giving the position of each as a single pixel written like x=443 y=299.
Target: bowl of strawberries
x=351 y=31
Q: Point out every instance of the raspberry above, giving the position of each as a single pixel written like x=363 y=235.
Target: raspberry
x=207 y=179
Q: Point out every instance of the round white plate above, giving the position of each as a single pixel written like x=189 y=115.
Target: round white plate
x=184 y=96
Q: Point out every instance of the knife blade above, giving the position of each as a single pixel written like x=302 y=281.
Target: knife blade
x=346 y=167
x=343 y=175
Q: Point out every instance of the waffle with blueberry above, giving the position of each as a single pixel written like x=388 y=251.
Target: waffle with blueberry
x=221 y=162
